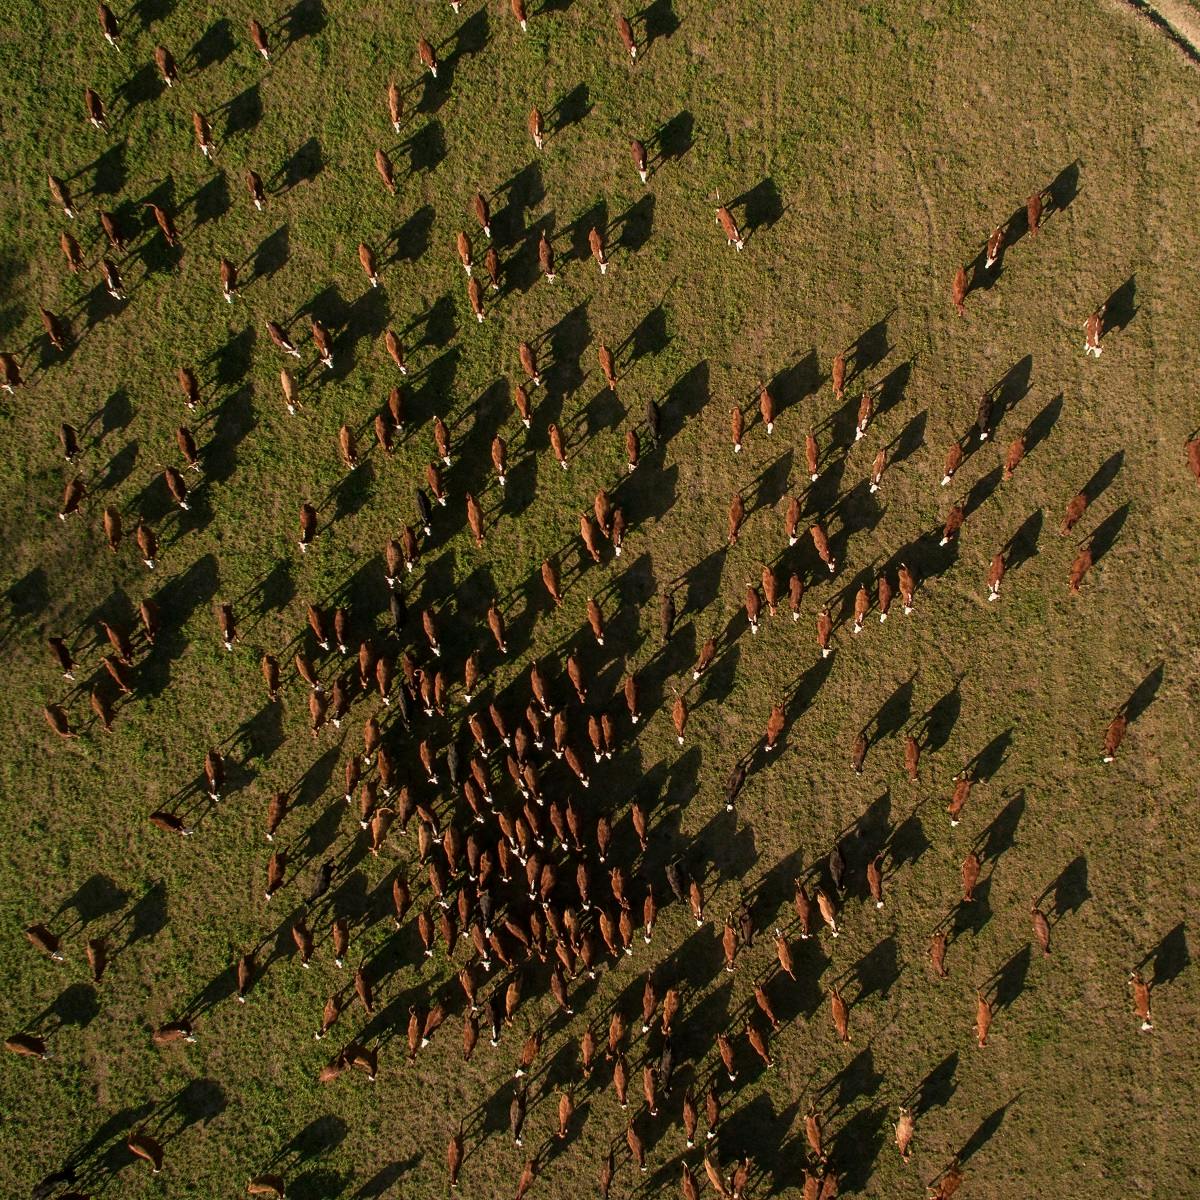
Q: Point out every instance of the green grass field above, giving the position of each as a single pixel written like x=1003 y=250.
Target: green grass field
x=867 y=150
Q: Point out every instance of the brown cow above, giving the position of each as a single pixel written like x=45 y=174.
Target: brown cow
x=962 y=791
x=258 y=35
x=395 y=348
x=475 y=298
x=1141 y=1000
x=858 y=752
x=821 y=545
x=395 y=105
x=958 y=290
x=529 y=365
x=862 y=606
x=828 y=910
x=953 y=523
x=1079 y=568
x=625 y=32
x=1075 y=510
x=366 y=258
x=1041 y=928
x=147 y=544
x=995 y=244
x=840 y=1013
x=291 y=392
x=61 y=195
x=10 y=373
x=308 y=526
x=948 y=1184
x=146 y=1148
x=737 y=514
x=753 y=606
x=29 y=1045
x=904 y=1133
x=824 y=631
x=41 y=938
x=737 y=427
x=970 y=876
x=865 y=408
x=56 y=331
x=632 y=449
x=937 y=954
x=166 y=224
x=551 y=581
x=116 y=239
x=983 y=1018
x=1093 y=330
x=95 y=109
x=733 y=235
x=1113 y=736
x=707 y=653
x=320 y=336
x=387 y=172
x=875 y=879
x=254 y=185
x=908 y=584
x=954 y=457
x=995 y=576
x=639 y=159
x=537 y=128
x=1016 y=452
x=72 y=252
x=877 y=468
x=766 y=409
x=912 y=756
x=775 y=726
x=546 y=258
x=427 y=56
x=203 y=134
x=679 y=715
x=596 y=243
x=165 y=61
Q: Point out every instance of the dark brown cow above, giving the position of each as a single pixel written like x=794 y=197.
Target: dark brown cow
x=229 y=278
x=28 y=1045
x=61 y=195
x=95 y=109
x=308 y=526
x=1033 y=213
x=952 y=525
x=147 y=1148
x=1075 y=511
x=189 y=386
x=1114 y=735
x=254 y=185
x=10 y=373
x=56 y=331
x=639 y=159
x=73 y=495
x=427 y=56
x=165 y=61
x=1079 y=569
x=112 y=279
x=71 y=251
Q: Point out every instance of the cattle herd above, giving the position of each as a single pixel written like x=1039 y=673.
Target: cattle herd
x=523 y=860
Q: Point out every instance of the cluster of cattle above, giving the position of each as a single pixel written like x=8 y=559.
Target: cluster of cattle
x=542 y=889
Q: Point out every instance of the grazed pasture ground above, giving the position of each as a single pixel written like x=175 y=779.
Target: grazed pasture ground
x=868 y=149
